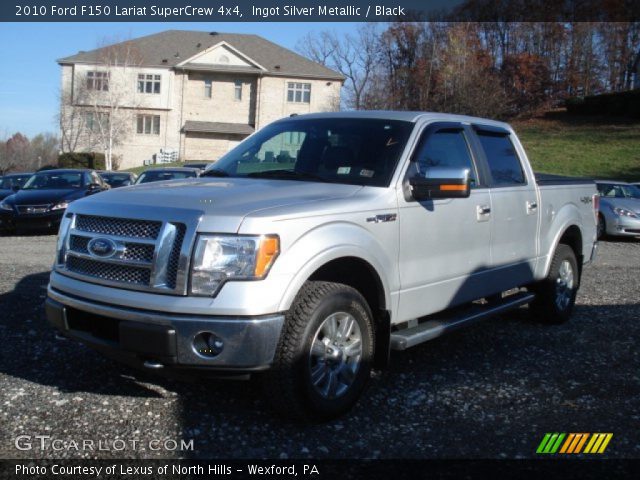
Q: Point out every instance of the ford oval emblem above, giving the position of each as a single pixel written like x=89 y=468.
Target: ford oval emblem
x=102 y=247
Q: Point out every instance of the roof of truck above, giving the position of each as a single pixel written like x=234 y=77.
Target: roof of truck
x=404 y=116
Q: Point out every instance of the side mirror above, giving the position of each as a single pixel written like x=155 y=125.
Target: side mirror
x=441 y=182
x=93 y=187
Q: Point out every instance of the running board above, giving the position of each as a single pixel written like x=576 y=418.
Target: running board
x=430 y=329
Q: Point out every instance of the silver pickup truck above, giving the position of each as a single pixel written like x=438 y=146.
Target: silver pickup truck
x=317 y=245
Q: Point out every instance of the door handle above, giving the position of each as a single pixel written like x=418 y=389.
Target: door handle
x=532 y=206
x=483 y=213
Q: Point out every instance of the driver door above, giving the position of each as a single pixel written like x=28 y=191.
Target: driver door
x=445 y=244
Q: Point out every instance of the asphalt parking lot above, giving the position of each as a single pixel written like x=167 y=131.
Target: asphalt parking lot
x=490 y=391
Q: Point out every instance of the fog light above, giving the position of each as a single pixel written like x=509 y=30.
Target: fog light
x=208 y=344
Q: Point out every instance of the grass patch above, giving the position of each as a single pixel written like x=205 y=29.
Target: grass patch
x=139 y=170
x=596 y=148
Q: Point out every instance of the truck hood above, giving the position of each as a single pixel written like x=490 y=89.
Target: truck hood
x=223 y=202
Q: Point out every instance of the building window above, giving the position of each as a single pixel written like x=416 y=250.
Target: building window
x=207 y=88
x=96 y=121
x=148 y=83
x=238 y=90
x=299 y=92
x=148 y=124
x=98 y=81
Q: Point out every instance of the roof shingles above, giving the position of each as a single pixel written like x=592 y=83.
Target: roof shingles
x=173 y=47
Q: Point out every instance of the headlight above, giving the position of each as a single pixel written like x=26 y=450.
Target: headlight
x=219 y=258
x=623 y=212
x=6 y=206
x=60 y=206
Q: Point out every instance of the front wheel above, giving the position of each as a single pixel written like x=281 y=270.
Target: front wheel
x=324 y=357
x=556 y=294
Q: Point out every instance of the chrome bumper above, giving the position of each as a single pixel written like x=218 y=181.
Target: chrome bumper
x=141 y=336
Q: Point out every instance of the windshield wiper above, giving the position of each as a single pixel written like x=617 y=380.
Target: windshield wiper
x=215 y=172
x=288 y=175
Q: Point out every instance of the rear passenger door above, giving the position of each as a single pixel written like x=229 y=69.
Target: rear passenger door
x=514 y=208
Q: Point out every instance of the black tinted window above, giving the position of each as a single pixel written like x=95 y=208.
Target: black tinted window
x=445 y=148
x=359 y=151
x=503 y=159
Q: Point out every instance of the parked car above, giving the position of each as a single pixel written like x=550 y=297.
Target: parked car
x=619 y=213
x=43 y=199
x=118 y=179
x=386 y=229
x=11 y=183
x=202 y=166
x=169 y=173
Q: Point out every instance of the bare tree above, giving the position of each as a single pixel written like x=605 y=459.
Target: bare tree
x=354 y=56
x=107 y=97
x=72 y=124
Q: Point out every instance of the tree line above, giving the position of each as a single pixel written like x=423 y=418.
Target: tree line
x=495 y=69
x=18 y=153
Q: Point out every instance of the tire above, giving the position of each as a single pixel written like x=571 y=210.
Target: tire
x=321 y=383
x=602 y=227
x=556 y=294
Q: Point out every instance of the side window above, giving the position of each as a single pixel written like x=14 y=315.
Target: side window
x=445 y=148
x=502 y=159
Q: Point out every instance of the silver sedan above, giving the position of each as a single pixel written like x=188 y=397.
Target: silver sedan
x=619 y=209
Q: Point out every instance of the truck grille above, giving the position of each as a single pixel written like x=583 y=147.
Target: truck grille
x=109 y=271
x=118 y=226
x=142 y=254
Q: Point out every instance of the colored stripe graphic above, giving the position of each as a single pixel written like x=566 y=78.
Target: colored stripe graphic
x=550 y=443
x=574 y=443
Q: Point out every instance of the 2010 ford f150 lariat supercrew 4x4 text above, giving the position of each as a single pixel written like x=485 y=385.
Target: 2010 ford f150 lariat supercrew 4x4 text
x=318 y=244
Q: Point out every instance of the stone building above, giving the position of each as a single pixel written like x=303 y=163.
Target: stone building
x=191 y=95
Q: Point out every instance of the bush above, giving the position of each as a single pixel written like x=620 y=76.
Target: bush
x=82 y=160
x=626 y=104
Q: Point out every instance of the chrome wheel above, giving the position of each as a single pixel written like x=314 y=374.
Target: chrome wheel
x=564 y=285
x=335 y=356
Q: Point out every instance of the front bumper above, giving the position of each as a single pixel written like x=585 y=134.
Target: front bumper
x=624 y=226
x=144 y=338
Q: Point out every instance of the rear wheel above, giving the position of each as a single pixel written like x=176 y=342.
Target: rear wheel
x=556 y=294
x=325 y=353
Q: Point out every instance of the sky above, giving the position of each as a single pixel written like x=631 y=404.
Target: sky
x=30 y=76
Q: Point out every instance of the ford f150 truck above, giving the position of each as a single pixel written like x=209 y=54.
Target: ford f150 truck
x=318 y=244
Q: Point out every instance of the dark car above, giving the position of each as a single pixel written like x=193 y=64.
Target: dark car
x=161 y=174
x=202 y=166
x=11 y=183
x=43 y=199
x=118 y=179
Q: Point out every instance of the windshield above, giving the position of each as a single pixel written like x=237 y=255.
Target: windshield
x=116 y=179
x=612 y=190
x=157 y=176
x=50 y=181
x=7 y=183
x=338 y=150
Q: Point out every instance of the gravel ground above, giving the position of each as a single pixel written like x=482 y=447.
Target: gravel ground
x=489 y=391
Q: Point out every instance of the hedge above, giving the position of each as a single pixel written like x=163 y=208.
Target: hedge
x=626 y=104
x=82 y=160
